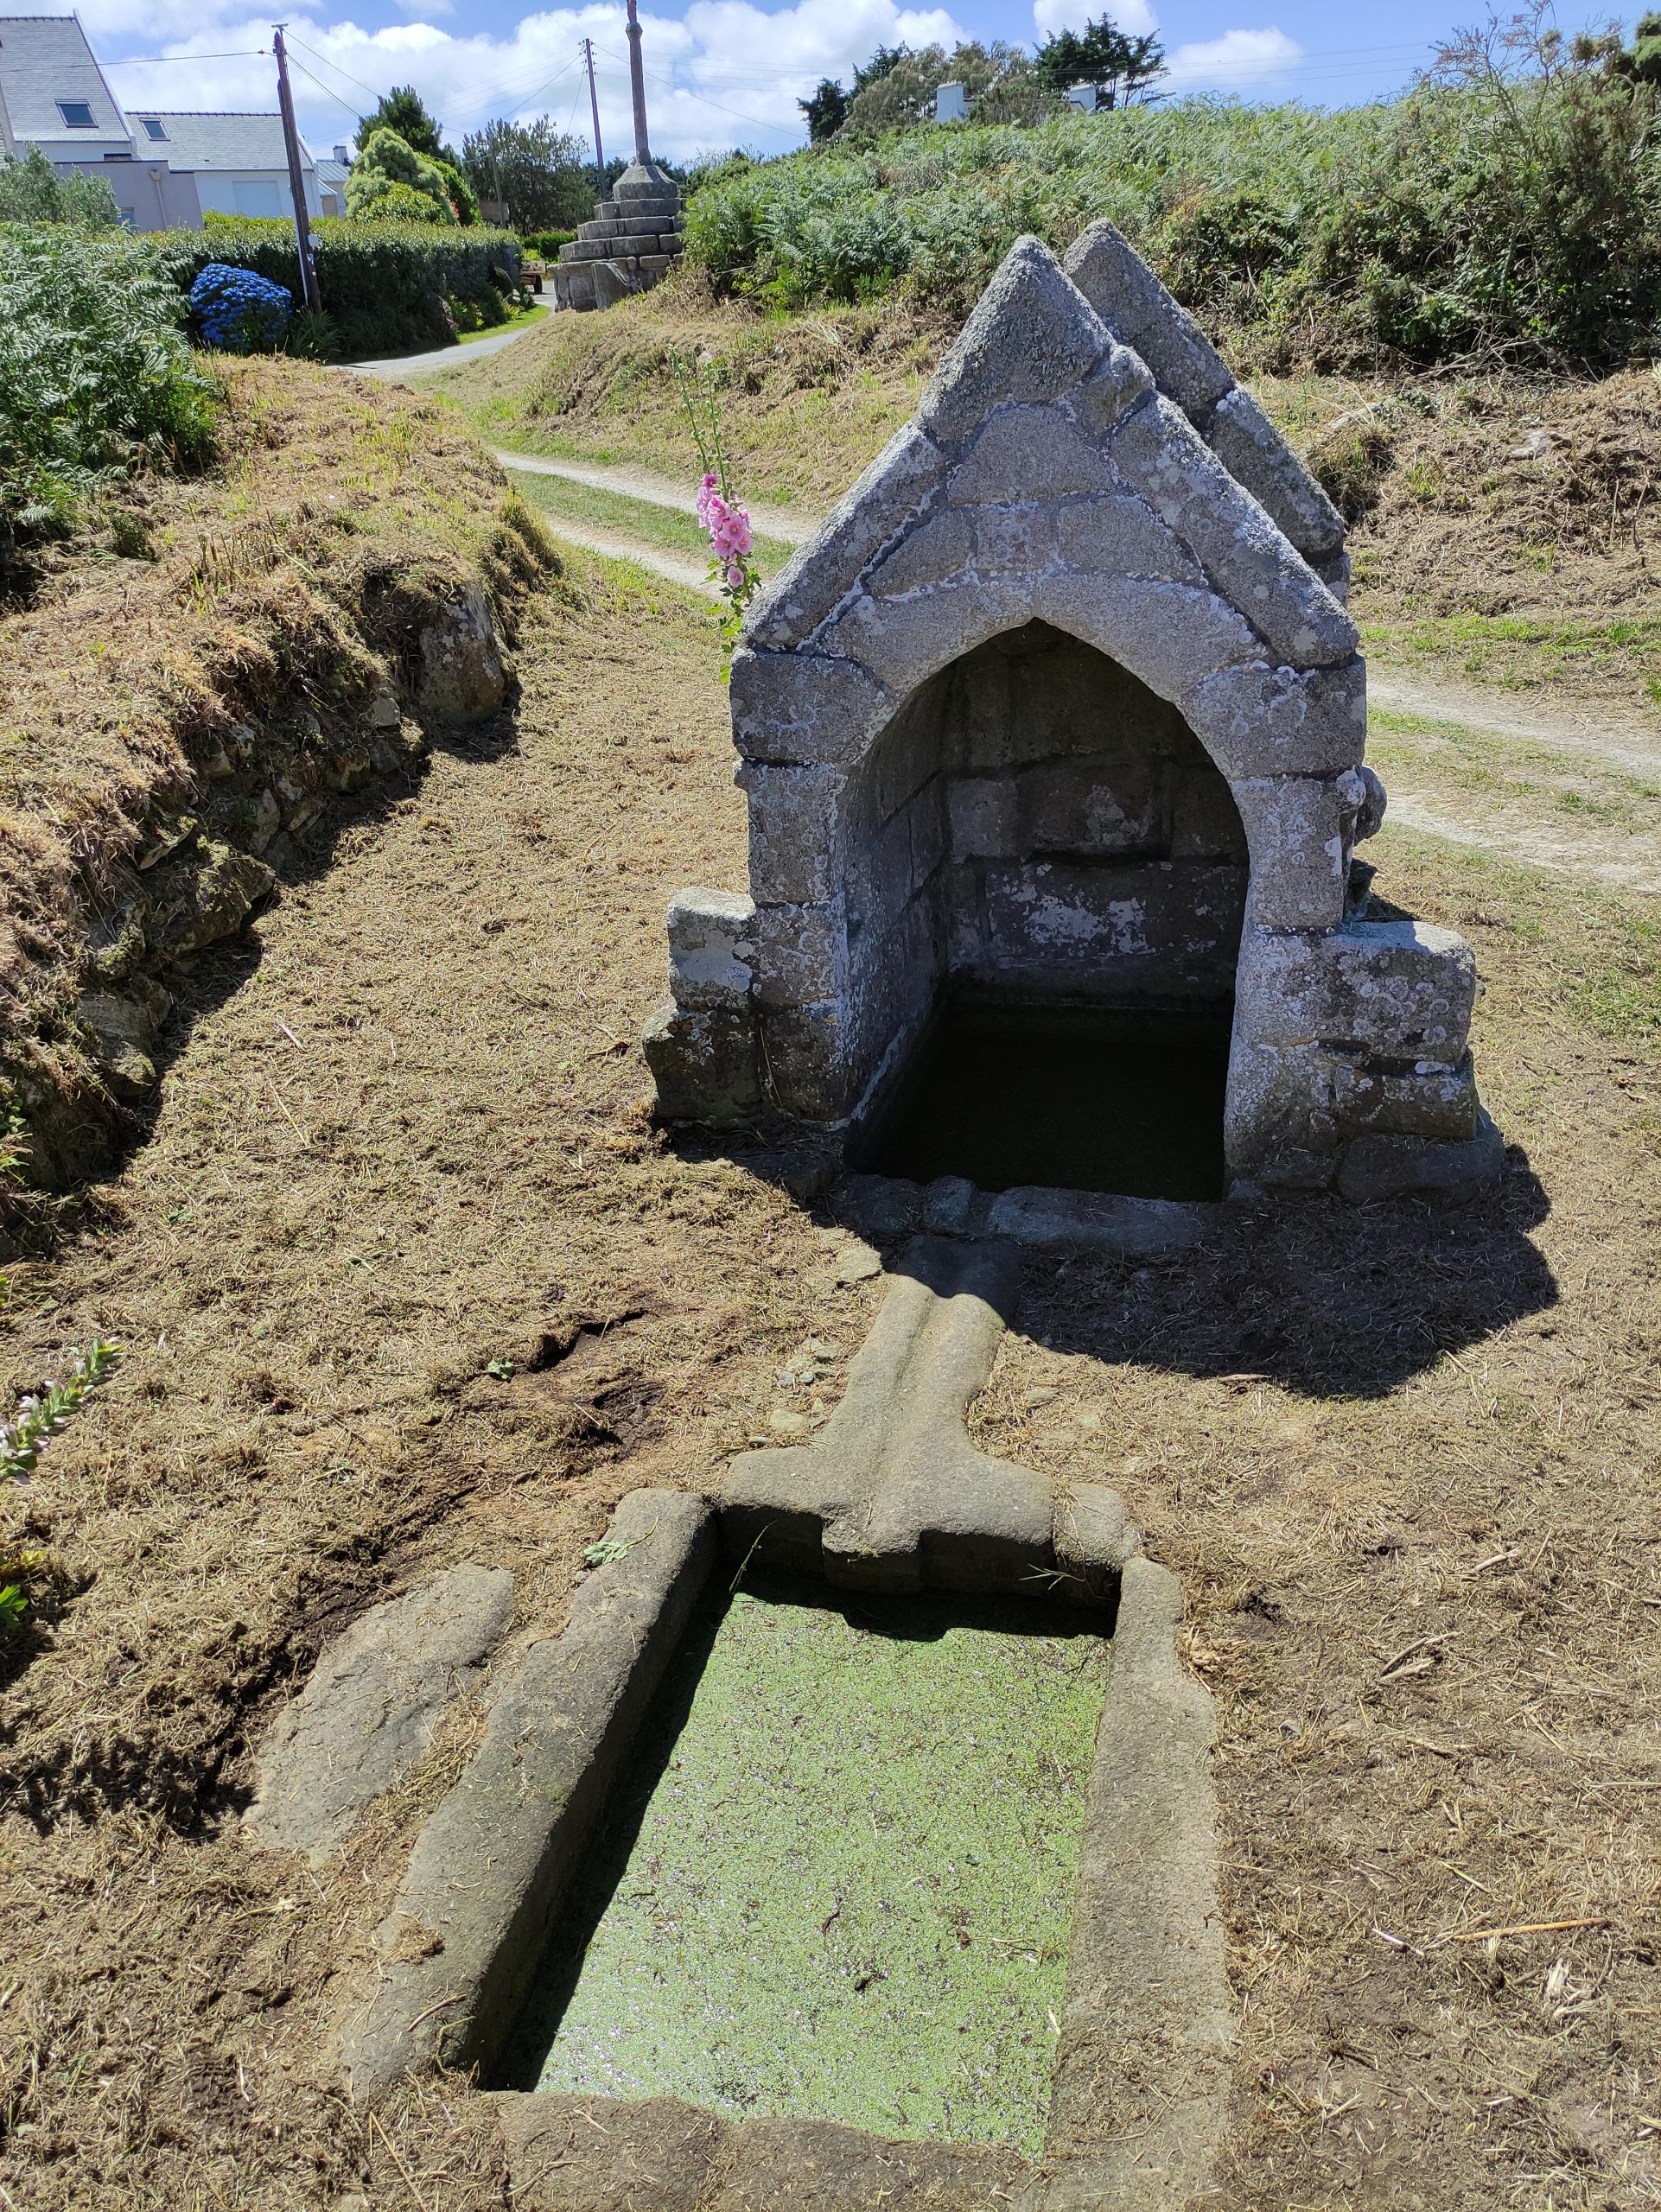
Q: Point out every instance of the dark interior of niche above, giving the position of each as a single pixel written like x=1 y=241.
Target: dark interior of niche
x=1128 y=1101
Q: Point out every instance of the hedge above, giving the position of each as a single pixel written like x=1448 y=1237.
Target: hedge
x=384 y=285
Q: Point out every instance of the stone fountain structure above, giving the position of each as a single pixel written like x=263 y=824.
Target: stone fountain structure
x=1062 y=705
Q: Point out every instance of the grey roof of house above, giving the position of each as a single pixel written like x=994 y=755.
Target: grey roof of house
x=200 y=142
x=44 y=59
x=331 y=172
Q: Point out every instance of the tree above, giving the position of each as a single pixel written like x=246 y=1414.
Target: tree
x=403 y=110
x=31 y=191
x=1120 y=68
x=546 y=175
x=826 y=111
x=390 y=180
x=1000 y=86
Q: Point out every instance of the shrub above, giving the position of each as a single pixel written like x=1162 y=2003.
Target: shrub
x=389 y=171
x=546 y=243
x=383 y=284
x=1508 y=206
x=238 y=311
x=31 y=191
x=95 y=376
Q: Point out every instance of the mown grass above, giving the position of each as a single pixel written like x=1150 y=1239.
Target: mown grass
x=1485 y=764
x=1515 y=652
x=1595 y=955
x=806 y=401
x=668 y=527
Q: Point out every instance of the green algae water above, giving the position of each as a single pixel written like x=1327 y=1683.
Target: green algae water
x=838 y=1881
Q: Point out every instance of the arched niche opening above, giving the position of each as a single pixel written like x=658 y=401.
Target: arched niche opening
x=1045 y=878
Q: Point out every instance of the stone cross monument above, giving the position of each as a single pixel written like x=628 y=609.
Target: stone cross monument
x=635 y=235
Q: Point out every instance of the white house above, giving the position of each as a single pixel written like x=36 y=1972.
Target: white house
x=166 y=170
x=240 y=162
x=333 y=169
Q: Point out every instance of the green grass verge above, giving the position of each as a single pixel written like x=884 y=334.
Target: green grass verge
x=1594 y=953
x=1530 y=652
x=514 y=322
x=664 y=527
x=1485 y=765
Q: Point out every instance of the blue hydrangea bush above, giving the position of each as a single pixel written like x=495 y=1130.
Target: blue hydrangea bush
x=237 y=311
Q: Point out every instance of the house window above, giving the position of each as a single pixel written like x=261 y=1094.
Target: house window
x=153 y=129
x=77 y=115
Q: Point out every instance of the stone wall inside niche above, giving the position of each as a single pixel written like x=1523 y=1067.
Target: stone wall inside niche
x=1036 y=825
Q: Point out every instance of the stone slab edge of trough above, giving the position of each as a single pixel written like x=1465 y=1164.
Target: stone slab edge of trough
x=1140 y=2086
x=492 y=1866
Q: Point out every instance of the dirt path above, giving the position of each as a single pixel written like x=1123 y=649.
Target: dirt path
x=794 y=526
x=1627 y=741
x=1628 y=860
x=619 y=545
x=1523 y=824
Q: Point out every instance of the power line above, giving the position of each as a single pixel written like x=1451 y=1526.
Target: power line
x=671 y=85
x=143 y=60
x=349 y=105
x=336 y=67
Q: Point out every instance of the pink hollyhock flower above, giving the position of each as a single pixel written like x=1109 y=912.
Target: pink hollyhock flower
x=706 y=490
x=734 y=574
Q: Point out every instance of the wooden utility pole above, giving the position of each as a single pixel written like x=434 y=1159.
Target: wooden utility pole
x=297 y=175
x=637 y=87
x=594 y=107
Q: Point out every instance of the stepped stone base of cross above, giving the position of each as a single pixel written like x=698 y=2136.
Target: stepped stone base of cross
x=630 y=245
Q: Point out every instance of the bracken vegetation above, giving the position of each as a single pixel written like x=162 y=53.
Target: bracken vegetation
x=1507 y=208
x=96 y=379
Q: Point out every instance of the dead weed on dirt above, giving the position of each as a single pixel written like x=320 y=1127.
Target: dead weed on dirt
x=292 y=579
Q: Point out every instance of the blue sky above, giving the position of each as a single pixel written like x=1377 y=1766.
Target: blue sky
x=721 y=72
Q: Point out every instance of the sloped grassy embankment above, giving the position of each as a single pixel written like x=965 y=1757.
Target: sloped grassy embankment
x=1503 y=525
x=287 y=624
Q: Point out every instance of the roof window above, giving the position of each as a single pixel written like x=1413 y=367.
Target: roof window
x=153 y=127
x=77 y=115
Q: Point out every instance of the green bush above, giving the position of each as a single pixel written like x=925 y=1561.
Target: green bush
x=390 y=179
x=1509 y=207
x=384 y=285
x=31 y=191
x=546 y=243
x=95 y=376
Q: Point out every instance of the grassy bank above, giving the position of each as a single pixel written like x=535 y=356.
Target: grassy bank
x=1505 y=208
x=1503 y=527
x=174 y=696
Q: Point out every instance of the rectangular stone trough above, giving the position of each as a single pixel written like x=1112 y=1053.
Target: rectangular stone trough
x=800 y=1881
x=852 y=1844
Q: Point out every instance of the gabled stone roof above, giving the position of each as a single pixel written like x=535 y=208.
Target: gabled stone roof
x=1045 y=476
x=1187 y=368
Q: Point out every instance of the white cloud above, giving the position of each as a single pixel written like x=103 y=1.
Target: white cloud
x=1052 y=15
x=729 y=73
x=1238 y=61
